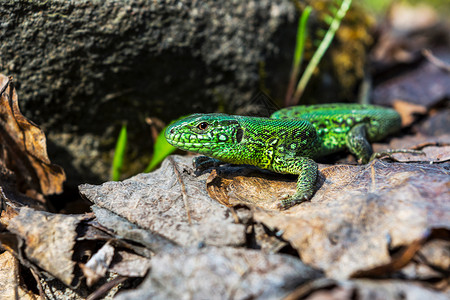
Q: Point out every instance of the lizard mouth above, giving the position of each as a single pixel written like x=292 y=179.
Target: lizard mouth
x=193 y=145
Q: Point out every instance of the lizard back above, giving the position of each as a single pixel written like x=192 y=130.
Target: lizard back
x=334 y=121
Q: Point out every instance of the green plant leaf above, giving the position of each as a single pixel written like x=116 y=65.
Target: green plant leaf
x=298 y=53
x=328 y=19
x=161 y=149
x=301 y=36
x=119 y=154
x=333 y=9
x=318 y=54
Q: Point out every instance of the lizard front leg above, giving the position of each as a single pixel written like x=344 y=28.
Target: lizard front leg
x=358 y=144
x=306 y=169
x=202 y=162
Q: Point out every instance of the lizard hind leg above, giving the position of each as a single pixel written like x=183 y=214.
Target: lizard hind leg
x=358 y=144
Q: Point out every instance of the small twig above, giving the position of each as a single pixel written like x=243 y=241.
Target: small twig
x=3 y=199
x=304 y=290
x=39 y=285
x=436 y=61
x=365 y=89
x=234 y=214
x=112 y=96
x=428 y=144
x=156 y=126
x=106 y=287
x=373 y=173
x=10 y=78
x=389 y=153
x=183 y=189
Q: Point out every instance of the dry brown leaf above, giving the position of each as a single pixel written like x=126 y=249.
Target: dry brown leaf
x=326 y=289
x=10 y=286
x=268 y=243
x=24 y=147
x=436 y=124
x=437 y=254
x=398 y=261
x=430 y=154
x=8 y=213
x=125 y=230
x=428 y=263
x=426 y=85
x=419 y=141
x=155 y=202
x=48 y=241
x=435 y=149
x=11 y=196
x=359 y=212
x=408 y=111
x=129 y=264
x=401 y=71
x=233 y=185
x=98 y=264
x=221 y=273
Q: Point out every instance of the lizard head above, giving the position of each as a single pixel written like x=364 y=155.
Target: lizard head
x=203 y=133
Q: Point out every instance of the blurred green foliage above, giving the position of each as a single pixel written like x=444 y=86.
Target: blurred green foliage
x=161 y=149
x=119 y=154
x=379 y=7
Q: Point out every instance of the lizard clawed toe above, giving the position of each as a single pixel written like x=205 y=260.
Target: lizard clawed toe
x=202 y=163
x=389 y=153
x=284 y=204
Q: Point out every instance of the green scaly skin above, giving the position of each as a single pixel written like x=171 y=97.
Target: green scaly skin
x=288 y=141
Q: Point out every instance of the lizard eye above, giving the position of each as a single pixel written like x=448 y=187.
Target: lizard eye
x=202 y=125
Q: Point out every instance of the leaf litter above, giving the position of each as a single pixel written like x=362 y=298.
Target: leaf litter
x=387 y=220
x=221 y=273
x=155 y=202
x=49 y=245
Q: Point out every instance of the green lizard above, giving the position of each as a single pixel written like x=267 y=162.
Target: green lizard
x=288 y=141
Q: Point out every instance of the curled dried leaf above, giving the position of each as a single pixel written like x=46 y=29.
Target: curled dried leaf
x=97 y=266
x=24 y=148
